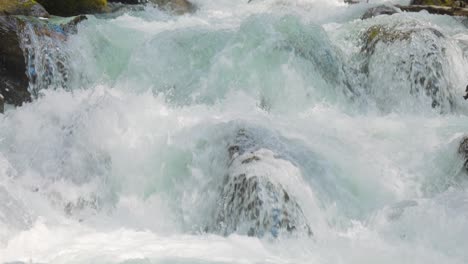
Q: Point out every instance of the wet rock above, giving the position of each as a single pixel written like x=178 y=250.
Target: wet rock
x=17 y=34
x=381 y=34
x=128 y=2
x=425 y=68
x=379 y=10
x=433 y=2
x=179 y=7
x=73 y=7
x=13 y=78
x=2 y=104
x=256 y=206
x=254 y=203
x=352 y=2
x=22 y=7
x=463 y=151
x=440 y=7
x=71 y=27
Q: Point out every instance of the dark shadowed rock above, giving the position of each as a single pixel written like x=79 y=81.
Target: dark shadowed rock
x=2 y=104
x=73 y=7
x=71 y=26
x=128 y=2
x=463 y=151
x=13 y=78
x=22 y=7
x=379 y=10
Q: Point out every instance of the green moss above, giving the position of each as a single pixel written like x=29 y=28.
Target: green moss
x=434 y=2
x=22 y=7
x=380 y=33
x=73 y=7
x=12 y=5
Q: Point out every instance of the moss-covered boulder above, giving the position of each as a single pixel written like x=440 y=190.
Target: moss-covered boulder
x=380 y=33
x=73 y=7
x=421 y=71
x=22 y=7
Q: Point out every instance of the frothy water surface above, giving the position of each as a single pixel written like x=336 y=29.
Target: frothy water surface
x=127 y=162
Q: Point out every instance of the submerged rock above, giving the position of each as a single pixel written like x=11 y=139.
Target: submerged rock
x=22 y=7
x=254 y=203
x=73 y=7
x=179 y=7
x=379 y=10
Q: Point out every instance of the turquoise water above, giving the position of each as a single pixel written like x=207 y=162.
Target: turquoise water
x=123 y=160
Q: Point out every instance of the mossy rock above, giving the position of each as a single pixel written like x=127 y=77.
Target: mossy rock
x=433 y=2
x=22 y=7
x=179 y=7
x=73 y=7
x=424 y=66
x=380 y=33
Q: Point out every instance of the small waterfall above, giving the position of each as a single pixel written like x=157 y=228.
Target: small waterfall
x=48 y=63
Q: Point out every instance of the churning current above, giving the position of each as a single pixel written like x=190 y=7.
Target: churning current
x=275 y=131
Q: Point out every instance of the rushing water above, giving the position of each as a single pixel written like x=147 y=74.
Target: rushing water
x=122 y=158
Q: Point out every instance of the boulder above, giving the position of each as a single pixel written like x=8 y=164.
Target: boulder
x=22 y=7
x=73 y=7
x=13 y=78
x=381 y=34
x=425 y=67
x=254 y=203
x=379 y=10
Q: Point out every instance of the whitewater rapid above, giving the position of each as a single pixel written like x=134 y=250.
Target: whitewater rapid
x=123 y=160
